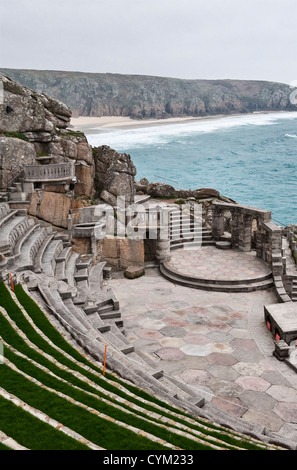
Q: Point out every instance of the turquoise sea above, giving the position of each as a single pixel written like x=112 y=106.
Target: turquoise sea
x=249 y=158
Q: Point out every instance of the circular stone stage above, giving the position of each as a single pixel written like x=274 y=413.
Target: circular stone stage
x=210 y=268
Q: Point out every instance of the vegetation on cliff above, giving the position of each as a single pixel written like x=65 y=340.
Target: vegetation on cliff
x=144 y=97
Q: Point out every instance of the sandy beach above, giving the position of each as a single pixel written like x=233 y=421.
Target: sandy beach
x=84 y=123
x=119 y=122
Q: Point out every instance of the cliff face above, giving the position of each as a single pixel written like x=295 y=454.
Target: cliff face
x=154 y=97
x=33 y=131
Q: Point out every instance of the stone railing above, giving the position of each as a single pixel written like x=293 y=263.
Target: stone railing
x=51 y=172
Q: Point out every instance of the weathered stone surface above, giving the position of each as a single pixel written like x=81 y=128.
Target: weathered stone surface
x=133 y=272
x=120 y=253
x=24 y=110
x=81 y=245
x=85 y=180
x=114 y=174
x=13 y=154
x=160 y=190
x=108 y=198
x=164 y=190
x=51 y=207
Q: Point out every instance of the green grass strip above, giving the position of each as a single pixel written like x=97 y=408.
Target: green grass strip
x=101 y=406
x=32 y=433
x=4 y=447
x=100 y=431
x=47 y=328
x=43 y=323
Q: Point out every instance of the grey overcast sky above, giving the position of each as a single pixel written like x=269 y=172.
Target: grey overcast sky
x=210 y=39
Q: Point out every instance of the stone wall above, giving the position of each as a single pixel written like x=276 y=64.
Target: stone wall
x=245 y=220
x=120 y=253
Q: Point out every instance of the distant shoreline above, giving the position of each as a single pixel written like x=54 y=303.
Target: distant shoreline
x=121 y=123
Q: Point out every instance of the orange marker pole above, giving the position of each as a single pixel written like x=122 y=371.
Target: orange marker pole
x=12 y=286
x=104 y=359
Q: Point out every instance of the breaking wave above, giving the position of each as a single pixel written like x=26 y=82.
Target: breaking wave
x=249 y=158
x=161 y=135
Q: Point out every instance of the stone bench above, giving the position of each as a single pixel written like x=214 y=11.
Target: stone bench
x=4 y=210
x=61 y=263
x=41 y=250
x=30 y=248
x=5 y=218
x=223 y=245
x=50 y=254
x=20 y=235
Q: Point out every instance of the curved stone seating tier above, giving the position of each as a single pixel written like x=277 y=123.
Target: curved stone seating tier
x=12 y=231
x=6 y=214
x=4 y=210
x=39 y=255
x=208 y=268
x=117 y=360
x=31 y=247
x=70 y=268
x=207 y=413
x=50 y=254
x=61 y=263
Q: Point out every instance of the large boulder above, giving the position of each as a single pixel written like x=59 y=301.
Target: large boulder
x=24 y=110
x=14 y=153
x=161 y=190
x=114 y=175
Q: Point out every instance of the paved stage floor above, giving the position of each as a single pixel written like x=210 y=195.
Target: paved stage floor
x=210 y=262
x=216 y=342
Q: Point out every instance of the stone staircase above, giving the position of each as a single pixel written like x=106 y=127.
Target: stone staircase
x=186 y=232
x=217 y=285
x=184 y=229
x=294 y=290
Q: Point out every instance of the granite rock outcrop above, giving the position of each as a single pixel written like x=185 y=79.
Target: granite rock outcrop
x=34 y=131
x=114 y=175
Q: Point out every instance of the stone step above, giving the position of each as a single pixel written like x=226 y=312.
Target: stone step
x=64 y=255
x=187 y=277
x=189 y=244
x=39 y=255
x=10 y=215
x=28 y=227
x=185 y=236
x=217 y=285
x=70 y=269
x=81 y=275
x=114 y=314
x=7 y=229
x=189 y=229
x=50 y=254
x=30 y=248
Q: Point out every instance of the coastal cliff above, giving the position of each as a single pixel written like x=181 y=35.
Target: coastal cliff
x=145 y=97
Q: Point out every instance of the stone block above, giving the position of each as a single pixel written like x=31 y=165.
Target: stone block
x=133 y=272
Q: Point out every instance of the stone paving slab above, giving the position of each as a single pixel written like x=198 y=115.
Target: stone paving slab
x=215 y=342
x=211 y=263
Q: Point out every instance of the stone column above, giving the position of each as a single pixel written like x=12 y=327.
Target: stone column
x=245 y=235
x=217 y=222
x=235 y=228
x=162 y=249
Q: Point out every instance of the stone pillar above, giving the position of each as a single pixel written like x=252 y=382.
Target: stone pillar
x=282 y=350
x=217 y=222
x=245 y=234
x=235 y=228
x=162 y=249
